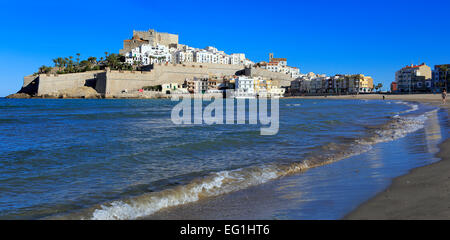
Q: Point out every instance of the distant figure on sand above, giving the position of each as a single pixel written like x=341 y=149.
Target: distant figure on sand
x=384 y=97
x=444 y=96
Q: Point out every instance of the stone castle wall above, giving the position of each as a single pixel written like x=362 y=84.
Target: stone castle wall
x=28 y=79
x=157 y=37
x=112 y=83
x=30 y=85
x=53 y=83
x=166 y=38
x=149 y=37
x=280 y=79
x=117 y=81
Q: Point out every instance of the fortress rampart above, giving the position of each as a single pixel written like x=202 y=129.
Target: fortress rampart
x=280 y=79
x=111 y=83
x=52 y=83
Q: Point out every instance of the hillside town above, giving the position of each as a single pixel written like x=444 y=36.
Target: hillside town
x=152 y=62
x=142 y=49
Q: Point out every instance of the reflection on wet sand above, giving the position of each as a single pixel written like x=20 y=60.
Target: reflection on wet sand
x=326 y=192
x=433 y=134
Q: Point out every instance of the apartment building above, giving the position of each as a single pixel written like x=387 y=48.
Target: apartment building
x=441 y=77
x=414 y=78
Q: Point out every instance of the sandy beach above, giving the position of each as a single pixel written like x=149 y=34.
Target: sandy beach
x=423 y=193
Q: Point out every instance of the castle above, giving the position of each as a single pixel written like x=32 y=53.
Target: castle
x=110 y=83
x=150 y=37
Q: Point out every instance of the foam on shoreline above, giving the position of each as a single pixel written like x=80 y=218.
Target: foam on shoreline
x=229 y=181
x=417 y=195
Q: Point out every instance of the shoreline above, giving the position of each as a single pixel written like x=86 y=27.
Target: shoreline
x=376 y=204
x=424 y=98
x=421 y=194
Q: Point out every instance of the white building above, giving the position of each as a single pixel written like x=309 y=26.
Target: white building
x=170 y=88
x=309 y=83
x=244 y=87
x=293 y=72
x=276 y=92
x=247 y=62
x=184 y=56
x=238 y=58
x=281 y=67
x=209 y=55
x=147 y=54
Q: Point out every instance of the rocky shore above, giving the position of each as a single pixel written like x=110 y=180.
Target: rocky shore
x=80 y=92
x=89 y=93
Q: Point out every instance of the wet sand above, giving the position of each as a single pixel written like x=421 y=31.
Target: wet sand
x=423 y=193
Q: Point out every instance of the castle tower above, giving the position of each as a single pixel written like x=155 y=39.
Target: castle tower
x=270 y=57
x=149 y=37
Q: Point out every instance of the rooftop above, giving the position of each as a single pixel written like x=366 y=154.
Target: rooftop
x=414 y=66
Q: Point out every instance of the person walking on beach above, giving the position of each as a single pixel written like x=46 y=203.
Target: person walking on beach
x=444 y=96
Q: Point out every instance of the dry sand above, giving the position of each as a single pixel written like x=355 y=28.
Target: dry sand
x=423 y=193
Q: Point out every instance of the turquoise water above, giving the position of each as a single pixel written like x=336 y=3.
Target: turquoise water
x=125 y=159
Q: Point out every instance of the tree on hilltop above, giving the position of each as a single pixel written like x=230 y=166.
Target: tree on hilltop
x=44 y=69
x=112 y=60
x=92 y=59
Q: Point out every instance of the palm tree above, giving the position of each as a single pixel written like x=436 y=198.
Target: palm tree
x=78 y=58
x=106 y=54
x=379 y=86
x=61 y=62
x=44 y=69
x=92 y=59
x=55 y=61
x=113 y=60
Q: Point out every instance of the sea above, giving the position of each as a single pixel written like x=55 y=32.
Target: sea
x=126 y=159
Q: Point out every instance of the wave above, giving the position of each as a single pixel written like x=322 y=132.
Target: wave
x=224 y=182
x=413 y=107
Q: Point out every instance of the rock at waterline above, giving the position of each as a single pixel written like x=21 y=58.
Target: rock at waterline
x=18 y=95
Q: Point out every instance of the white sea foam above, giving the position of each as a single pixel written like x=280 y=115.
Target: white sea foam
x=229 y=181
x=400 y=127
x=295 y=104
x=413 y=107
x=219 y=183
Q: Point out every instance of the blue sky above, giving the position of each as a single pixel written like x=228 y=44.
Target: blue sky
x=375 y=38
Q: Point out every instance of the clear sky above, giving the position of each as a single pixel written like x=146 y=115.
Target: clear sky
x=375 y=38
